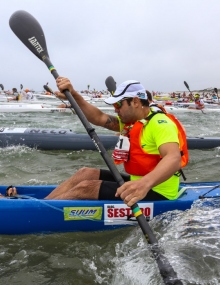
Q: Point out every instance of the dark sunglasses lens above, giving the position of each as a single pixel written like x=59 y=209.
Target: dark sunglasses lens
x=117 y=105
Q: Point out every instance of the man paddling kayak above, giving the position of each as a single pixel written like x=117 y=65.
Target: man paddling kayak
x=198 y=102
x=16 y=95
x=148 y=146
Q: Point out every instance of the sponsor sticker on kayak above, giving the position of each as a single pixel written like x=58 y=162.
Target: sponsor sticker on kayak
x=116 y=214
x=82 y=213
x=13 y=130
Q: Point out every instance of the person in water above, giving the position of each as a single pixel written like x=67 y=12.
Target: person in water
x=148 y=147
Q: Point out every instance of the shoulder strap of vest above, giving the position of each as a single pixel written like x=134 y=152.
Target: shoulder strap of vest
x=150 y=116
x=160 y=110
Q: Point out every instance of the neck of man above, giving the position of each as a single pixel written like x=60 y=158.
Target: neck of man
x=144 y=112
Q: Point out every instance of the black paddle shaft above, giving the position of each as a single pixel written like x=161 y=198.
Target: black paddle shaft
x=29 y=31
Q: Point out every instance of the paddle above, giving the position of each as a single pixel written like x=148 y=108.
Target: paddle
x=29 y=31
x=20 y=95
x=48 y=89
x=2 y=87
x=110 y=84
x=216 y=91
x=187 y=86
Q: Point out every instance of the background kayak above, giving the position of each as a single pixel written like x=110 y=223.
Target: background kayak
x=64 y=139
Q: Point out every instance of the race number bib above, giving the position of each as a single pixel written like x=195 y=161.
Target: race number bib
x=121 y=151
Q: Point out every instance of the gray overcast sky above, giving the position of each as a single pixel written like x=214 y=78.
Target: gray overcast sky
x=159 y=42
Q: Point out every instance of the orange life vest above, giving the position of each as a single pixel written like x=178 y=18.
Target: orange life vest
x=140 y=162
x=199 y=104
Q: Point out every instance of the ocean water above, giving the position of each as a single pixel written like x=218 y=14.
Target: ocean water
x=190 y=239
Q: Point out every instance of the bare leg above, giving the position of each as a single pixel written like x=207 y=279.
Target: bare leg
x=86 y=190
x=81 y=175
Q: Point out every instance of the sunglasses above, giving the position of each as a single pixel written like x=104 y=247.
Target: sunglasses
x=118 y=104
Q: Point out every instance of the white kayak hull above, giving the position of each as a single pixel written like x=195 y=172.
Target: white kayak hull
x=174 y=110
x=23 y=107
x=19 y=108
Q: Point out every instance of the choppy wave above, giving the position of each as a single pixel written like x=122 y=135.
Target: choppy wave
x=190 y=240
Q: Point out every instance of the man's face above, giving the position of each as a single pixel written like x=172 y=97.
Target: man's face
x=127 y=111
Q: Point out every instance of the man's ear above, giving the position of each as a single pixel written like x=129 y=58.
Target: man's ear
x=136 y=101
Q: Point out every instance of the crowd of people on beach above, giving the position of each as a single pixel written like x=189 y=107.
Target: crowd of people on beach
x=95 y=93
x=189 y=97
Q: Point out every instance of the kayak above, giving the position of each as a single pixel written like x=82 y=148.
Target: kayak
x=17 y=105
x=27 y=102
x=44 y=96
x=4 y=98
x=33 y=214
x=23 y=108
x=186 y=105
x=171 y=109
x=52 y=139
x=64 y=139
x=46 y=103
x=19 y=108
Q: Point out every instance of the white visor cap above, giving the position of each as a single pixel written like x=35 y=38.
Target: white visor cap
x=128 y=89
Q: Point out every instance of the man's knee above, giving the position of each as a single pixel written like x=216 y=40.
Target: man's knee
x=88 y=189
x=89 y=172
x=86 y=184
